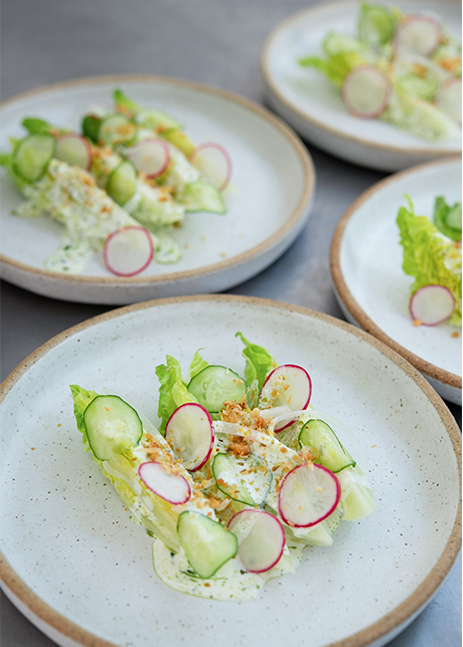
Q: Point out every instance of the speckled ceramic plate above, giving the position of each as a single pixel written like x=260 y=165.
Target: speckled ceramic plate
x=371 y=287
x=311 y=104
x=268 y=201
x=78 y=568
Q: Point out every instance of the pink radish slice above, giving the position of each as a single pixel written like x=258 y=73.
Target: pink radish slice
x=431 y=305
x=366 y=91
x=151 y=156
x=128 y=250
x=214 y=162
x=419 y=34
x=190 y=433
x=449 y=99
x=173 y=488
x=287 y=385
x=261 y=539
x=74 y=150
x=308 y=494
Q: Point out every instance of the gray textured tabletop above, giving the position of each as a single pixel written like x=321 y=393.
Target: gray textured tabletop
x=216 y=42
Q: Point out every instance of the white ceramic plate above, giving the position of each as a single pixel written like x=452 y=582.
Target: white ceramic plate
x=372 y=289
x=268 y=202
x=311 y=104
x=77 y=567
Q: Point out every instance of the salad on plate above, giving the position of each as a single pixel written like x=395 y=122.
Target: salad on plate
x=404 y=69
x=120 y=187
x=432 y=255
x=239 y=478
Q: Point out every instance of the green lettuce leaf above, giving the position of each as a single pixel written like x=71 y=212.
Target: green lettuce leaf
x=259 y=363
x=197 y=364
x=442 y=211
x=172 y=390
x=122 y=101
x=428 y=257
x=82 y=399
x=334 y=67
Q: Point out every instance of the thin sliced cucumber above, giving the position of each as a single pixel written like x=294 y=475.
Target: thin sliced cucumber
x=335 y=44
x=203 y=196
x=420 y=88
x=207 y=544
x=32 y=156
x=153 y=119
x=215 y=385
x=91 y=127
x=122 y=182
x=243 y=479
x=115 y=129
x=112 y=426
x=325 y=446
x=376 y=24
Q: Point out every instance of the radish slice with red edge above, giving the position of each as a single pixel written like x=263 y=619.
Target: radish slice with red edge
x=261 y=539
x=308 y=494
x=419 y=34
x=431 y=305
x=449 y=99
x=366 y=91
x=214 y=162
x=128 y=250
x=190 y=433
x=74 y=150
x=150 y=156
x=287 y=385
x=173 y=488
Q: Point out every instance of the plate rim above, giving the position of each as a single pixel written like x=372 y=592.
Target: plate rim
x=296 y=216
x=352 y=305
x=399 y=616
x=273 y=88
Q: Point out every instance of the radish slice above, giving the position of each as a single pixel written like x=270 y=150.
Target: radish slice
x=418 y=34
x=75 y=150
x=287 y=385
x=431 y=305
x=308 y=494
x=366 y=91
x=190 y=433
x=449 y=99
x=151 y=156
x=128 y=250
x=213 y=161
x=173 y=488
x=261 y=539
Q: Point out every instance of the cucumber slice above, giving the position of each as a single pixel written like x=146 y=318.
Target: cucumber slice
x=207 y=544
x=203 y=196
x=91 y=127
x=32 y=156
x=153 y=119
x=246 y=480
x=335 y=44
x=115 y=129
x=376 y=25
x=112 y=425
x=122 y=182
x=325 y=445
x=216 y=384
x=419 y=88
